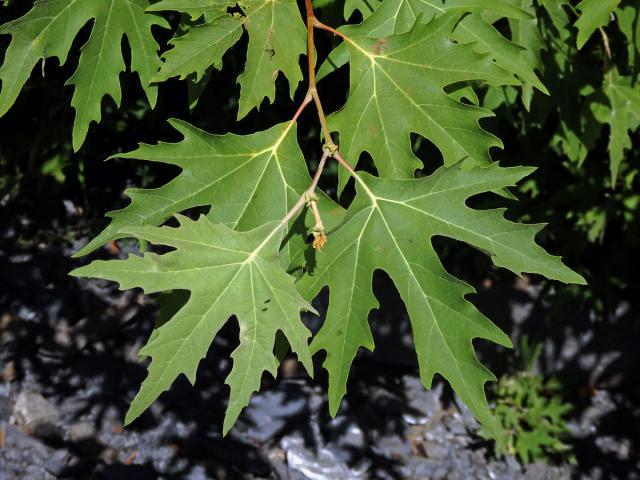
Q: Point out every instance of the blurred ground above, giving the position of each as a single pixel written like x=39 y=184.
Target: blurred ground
x=68 y=368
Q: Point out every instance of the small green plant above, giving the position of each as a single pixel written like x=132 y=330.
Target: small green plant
x=531 y=411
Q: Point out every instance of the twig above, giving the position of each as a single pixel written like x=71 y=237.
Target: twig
x=304 y=198
x=607 y=48
x=330 y=149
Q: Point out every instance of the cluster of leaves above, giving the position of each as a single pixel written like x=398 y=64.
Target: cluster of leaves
x=416 y=67
x=585 y=134
x=590 y=53
x=531 y=411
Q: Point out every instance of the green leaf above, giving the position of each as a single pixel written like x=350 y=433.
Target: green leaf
x=526 y=33
x=397 y=88
x=248 y=180
x=201 y=47
x=194 y=8
x=594 y=14
x=507 y=55
x=195 y=88
x=629 y=23
x=277 y=38
x=532 y=413
x=389 y=227
x=227 y=273
x=622 y=114
x=49 y=29
x=399 y=17
x=557 y=11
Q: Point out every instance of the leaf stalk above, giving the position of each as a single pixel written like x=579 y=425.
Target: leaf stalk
x=302 y=201
x=330 y=148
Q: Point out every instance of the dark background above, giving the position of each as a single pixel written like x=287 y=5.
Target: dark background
x=75 y=341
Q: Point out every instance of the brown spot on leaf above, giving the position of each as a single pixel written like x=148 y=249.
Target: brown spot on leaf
x=379 y=46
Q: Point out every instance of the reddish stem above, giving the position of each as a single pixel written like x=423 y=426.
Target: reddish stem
x=307 y=100
x=318 y=24
x=309 y=6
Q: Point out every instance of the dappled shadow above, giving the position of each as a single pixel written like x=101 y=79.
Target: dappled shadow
x=76 y=341
x=595 y=359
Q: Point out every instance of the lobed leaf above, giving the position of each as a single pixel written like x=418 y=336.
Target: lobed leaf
x=628 y=17
x=200 y=48
x=399 y=17
x=248 y=181
x=594 y=14
x=227 y=273
x=389 y=226
x=526 y=33
x=622 y=114
x=49 y=29
x=277 y=38
x=558 y=13
x=397 y=88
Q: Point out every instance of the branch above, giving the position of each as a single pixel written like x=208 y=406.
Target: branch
x=309 y=197
x=311 y=56
x=606 y=47
x=318 y=24
x=331 y=149
x=357 y=178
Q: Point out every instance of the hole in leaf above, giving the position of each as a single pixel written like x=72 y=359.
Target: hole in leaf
x=461 y=260
x=428 y=153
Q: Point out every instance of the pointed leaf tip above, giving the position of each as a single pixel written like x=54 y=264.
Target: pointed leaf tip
x=217 y=266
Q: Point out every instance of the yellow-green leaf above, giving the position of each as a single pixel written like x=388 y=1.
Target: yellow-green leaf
x=397 y=88
x=228 y=274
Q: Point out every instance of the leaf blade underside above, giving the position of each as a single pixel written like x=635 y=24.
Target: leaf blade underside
x=397 y=88
x=399 y=17
x=227 y=273
x=248 y=180
x=389 y=226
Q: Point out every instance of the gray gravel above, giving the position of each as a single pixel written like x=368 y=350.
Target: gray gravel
x=68 y=367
